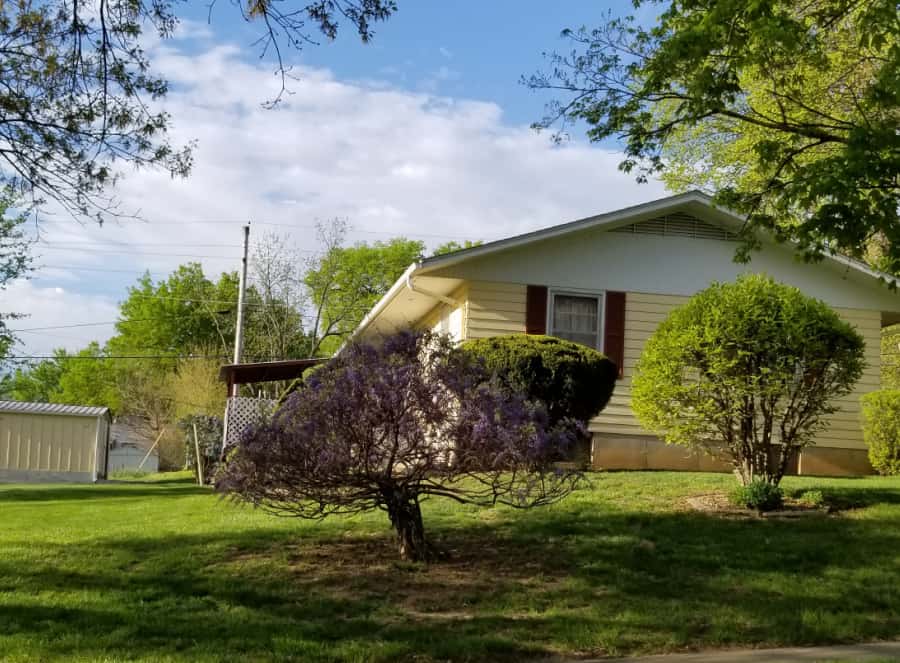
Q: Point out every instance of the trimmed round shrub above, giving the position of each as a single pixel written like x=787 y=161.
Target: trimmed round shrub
x=759 y=495
x=570 y=379
x=747 y=371
x=881 y=429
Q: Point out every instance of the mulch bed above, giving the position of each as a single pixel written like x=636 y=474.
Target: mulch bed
x=717 y=503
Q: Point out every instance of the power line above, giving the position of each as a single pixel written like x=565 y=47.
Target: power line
x=105 y=357
x=82 y=324
x=73 y=268
x=98 y=247
x=107 y=250
x=200 y=300
x=124 y=244
x=80 y=339
x=296 y=226
x=129 y=253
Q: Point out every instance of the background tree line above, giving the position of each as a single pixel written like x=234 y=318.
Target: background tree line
x=173 y=334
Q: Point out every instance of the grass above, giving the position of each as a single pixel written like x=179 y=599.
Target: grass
x=162 y=570
x=129 y=474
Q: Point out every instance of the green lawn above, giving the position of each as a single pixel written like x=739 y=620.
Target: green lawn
x=165 y=571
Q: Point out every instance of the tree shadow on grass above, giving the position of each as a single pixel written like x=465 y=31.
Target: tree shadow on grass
x=530 y=584
x=852 y=493
x=101 y=491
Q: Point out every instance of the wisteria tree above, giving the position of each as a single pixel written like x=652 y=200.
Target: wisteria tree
x=385 y=427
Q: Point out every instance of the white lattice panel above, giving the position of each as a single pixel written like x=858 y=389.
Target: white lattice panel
x=242 y=412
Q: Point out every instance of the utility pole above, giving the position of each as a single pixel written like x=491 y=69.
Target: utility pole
x=242 y=288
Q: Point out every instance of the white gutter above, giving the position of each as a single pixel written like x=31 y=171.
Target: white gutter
x=381 y=304
x=428 y=293
x=405 y=281
x=862 y=267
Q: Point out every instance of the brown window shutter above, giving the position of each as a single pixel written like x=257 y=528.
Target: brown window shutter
x=536 y=309
x=614 y=329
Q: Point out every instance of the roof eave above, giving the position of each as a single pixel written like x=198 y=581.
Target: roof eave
x=381 y=304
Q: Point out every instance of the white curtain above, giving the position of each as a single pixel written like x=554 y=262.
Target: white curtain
x=577 y=319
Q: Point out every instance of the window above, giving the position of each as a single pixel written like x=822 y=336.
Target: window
x=577 y=317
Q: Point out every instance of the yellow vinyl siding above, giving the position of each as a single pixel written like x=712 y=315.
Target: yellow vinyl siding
x=844 y=430
x=644 y=312
x=432 y=320
x=494 y=309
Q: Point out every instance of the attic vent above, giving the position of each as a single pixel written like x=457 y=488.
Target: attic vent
x=678 y=225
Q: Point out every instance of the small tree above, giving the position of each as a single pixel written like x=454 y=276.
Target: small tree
x=384 y=427
x=749 y=370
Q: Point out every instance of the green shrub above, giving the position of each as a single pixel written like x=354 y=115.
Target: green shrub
x=128 y=474
x=881 y=429
x=747 y=370
x=298 y=383
x=209 y=442
x=812 y=498
x=758 y=494
x=570 y=379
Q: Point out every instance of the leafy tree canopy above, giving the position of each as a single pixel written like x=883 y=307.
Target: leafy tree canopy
x=186 y=311
x=452 y=246
x=346 y=282
x=182 y=315
x=788 y=111
x=87 y=378
x=38 y=383
x=14 y=262
x=79 y=98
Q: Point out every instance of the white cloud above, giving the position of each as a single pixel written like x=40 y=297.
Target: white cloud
x=390 y=160
x=54 y=306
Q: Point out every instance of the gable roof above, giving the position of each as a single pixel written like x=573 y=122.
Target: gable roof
x=606 y=221
x=416 y=280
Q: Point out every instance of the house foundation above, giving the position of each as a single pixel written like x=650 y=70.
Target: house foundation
x=645 y=452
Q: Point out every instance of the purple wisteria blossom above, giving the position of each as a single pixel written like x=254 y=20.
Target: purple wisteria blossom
x=382 y=427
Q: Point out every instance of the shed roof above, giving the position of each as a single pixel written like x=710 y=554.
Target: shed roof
x=23 y=407
x=267 y=371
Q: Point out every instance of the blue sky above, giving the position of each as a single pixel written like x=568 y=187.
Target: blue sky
x=423 y=133
x=477 y=50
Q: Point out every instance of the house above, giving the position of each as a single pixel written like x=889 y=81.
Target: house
x=607 y=281
x=132 y=446
x=52 y=442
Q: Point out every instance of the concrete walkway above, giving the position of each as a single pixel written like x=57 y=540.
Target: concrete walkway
x=877 y=651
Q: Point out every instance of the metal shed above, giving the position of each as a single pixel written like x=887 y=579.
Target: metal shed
x=52 y=442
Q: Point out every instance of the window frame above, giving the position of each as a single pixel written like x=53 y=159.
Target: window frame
x=599 y=295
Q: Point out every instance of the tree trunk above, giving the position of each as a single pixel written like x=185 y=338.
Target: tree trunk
x=406 y=517
x=768 y=464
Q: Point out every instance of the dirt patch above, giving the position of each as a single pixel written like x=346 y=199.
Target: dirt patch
x=717 y=503
x=471 y=572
